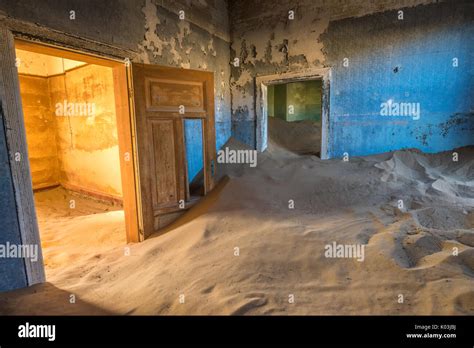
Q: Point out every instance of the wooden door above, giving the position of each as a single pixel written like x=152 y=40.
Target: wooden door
x=163 y=98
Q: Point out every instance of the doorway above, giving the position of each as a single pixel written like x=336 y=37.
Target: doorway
x=263 y=83
x=152 y=104
x=74 y=126
x=294 y=116
x=175 y=140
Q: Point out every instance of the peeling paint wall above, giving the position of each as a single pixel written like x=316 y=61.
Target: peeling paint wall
x=201 y=43
x=151 y=29
x=323 y=33
x=424 y=62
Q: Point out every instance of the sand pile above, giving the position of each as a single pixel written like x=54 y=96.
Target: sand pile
x=69 y=219
x=437 y=176
x=257 y=245
x=301 y=137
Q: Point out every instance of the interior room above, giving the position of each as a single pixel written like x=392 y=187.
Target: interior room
x=71 y=132
x=347 y=181
x=294 y=116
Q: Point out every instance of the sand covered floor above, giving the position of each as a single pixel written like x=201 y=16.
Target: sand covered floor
x=421 y=252
x=73 y=226
x=301 y=137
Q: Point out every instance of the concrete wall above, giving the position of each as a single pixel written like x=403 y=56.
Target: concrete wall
x=407 y=60
x=88 y=144
x=40 y=125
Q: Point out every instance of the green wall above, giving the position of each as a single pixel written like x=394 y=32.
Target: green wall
x=304 y=97
x=280 y=101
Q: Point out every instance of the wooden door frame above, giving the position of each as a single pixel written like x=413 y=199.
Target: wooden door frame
x=55 y=43
x=141 y=84
x=261 y=109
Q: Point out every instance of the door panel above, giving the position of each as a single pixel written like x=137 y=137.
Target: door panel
x=166 y=95
x=159 y=96
x=165 y=183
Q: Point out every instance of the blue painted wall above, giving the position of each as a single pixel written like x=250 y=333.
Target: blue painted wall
x=409 y=60
x=193 y=143
x=194 y=150
x=244 y=131
x=12 y=270
x=223 y=132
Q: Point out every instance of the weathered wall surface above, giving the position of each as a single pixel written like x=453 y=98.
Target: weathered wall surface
x=87 y=141
x=40 y=128
x=38 y=64
x=79 y=151
x=279 y=100
x=194 y=147
x=12 y=270
x=303 y=97
x=424 y=60
x=152 y=29
x=407 y=60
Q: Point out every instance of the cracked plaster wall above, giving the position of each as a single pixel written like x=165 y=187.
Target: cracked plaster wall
x=324 y=32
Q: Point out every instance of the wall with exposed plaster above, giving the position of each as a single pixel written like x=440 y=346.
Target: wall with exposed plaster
x=408 y=60
x=151 y=32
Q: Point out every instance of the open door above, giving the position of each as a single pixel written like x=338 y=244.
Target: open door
x=163 y=98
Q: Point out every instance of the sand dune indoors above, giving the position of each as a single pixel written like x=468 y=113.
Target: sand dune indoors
x=196 y=268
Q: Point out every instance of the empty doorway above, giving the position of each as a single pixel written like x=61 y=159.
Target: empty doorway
x=77 y=127
x=294 y=116
x=298 y=107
